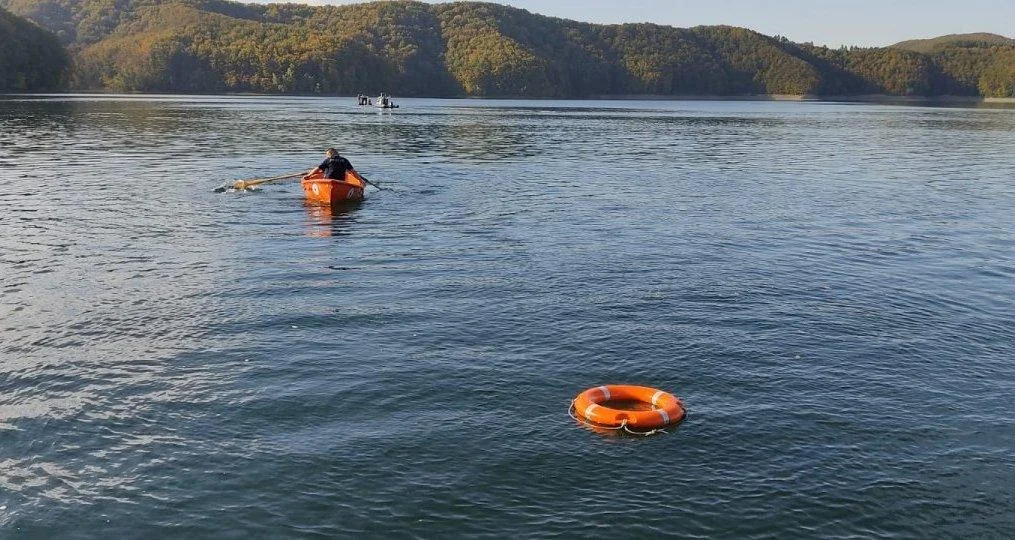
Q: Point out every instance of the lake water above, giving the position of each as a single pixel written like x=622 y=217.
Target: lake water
x=830 y=288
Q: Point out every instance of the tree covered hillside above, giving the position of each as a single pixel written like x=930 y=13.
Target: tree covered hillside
x=973 y=64
x=928 y=46
x=475 y=49
x=31 y=59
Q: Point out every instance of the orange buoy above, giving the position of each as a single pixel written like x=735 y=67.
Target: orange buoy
x=637 y=409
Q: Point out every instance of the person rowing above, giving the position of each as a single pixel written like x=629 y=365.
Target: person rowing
x=334 y=166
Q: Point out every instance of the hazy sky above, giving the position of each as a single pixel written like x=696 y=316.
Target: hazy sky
x=827 y=22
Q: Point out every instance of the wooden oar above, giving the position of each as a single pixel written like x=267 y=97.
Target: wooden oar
x=371 y=183
x=244 y=184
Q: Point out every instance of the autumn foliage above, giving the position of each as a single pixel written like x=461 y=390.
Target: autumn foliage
x=479 y=49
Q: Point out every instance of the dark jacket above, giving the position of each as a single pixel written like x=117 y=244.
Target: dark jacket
x=335 y=167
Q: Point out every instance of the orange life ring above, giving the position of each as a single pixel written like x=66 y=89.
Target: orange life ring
x=620 y=406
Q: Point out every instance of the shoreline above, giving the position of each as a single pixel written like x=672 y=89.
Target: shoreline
x=851 y=98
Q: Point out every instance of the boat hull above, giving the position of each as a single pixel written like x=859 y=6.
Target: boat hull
x=331 y=192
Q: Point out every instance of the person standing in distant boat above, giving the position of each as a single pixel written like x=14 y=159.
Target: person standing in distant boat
x=334 y=166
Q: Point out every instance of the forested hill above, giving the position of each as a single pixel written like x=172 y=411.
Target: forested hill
x=31 y=59
x=475 y=49
x=928 y=46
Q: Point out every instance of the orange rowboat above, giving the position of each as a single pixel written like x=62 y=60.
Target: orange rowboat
x=331 y=192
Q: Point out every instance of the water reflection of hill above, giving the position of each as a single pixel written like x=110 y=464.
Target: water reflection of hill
x=467 y=141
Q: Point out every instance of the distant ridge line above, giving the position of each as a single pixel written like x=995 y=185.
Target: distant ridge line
x=463 y=49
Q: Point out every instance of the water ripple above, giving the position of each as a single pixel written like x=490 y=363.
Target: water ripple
x=827 y=286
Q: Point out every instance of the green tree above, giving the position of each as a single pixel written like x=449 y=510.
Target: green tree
x=998 y=79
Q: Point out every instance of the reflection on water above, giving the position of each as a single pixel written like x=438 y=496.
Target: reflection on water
x=459 y=140
x=330 y=220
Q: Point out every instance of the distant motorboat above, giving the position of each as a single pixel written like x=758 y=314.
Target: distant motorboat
x=384 y=102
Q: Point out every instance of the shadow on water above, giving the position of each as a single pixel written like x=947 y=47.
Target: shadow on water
x=127 y=116
x=326 y=221
x=130 y=127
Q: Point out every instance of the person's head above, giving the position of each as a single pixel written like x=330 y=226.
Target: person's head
x=331 y=152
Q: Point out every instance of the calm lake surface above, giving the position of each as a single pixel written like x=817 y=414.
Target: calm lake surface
x=830 y=288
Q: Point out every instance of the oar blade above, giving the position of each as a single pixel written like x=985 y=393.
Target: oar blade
x=242 y=185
